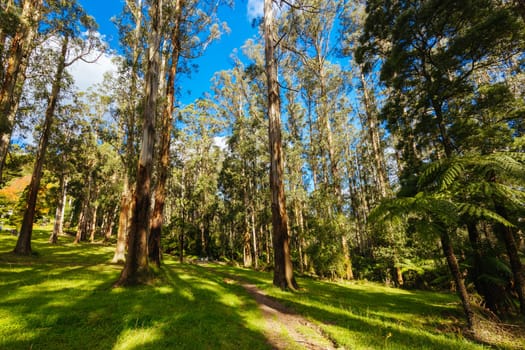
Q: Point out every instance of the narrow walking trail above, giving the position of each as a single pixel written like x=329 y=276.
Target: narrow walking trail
x=284 y=329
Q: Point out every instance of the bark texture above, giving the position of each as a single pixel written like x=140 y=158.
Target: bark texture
x=14 y=73
x=165 y=142
x=126 y=210
x=58 y=227
x=283 y=270
x=136 y=269
x=453 y=265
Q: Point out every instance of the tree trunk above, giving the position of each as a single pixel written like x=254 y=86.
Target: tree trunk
x=85 y=213
x=264 y=232
x=14 y=74
x=126 y=203
x=313 y=157
x=23 y=245
x=491 y=298
x=444 y=138
x=181 y=247
x=334 y=170
x=349 y=274
x=453 y=266
x=58 y=228
x=303 y=261
x=372 y=125
x=247 y=249
x=512 y=251
x=183 y=217
x=93 y=223
x=164 y=166
x=254 y=237
x=110 y=223
x=136 y=269
x=283 y=270
x=203 y=240
x=126 y=210
x=81 y=224
x=6 y=7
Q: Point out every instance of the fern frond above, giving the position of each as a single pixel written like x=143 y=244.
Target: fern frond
x=392 y=207
x=451 y=175
x=431 y=173
x=435 y=211
x=475 y=211
x=429 y=228
x=442 y=207
x=506 y=193
x=504 y=164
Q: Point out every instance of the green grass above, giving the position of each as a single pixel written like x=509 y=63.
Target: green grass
x=365 y=315
x=61 y=298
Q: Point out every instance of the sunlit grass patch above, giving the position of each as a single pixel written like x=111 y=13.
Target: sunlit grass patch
x=364 y=315
x=137 y=338
x=61 y=298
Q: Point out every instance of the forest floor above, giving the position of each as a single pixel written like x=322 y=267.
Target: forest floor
x=298 y=329
x=284 y=328
x=61 y=298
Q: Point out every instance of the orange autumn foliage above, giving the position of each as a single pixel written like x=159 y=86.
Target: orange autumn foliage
x=14 y=189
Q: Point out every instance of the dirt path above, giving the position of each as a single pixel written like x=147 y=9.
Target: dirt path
x=285 y=329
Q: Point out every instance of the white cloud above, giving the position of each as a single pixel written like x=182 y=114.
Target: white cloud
x=220 y=142
x=88 y=74
x=255 y=9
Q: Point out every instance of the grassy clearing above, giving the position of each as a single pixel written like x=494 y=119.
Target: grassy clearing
x=61 y=298
x=365 y=315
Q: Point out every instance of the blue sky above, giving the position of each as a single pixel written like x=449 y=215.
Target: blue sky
x=216 y=57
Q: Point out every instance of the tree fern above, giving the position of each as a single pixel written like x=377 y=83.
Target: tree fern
x=479 y=212
x=427 y=207
x=509 y=165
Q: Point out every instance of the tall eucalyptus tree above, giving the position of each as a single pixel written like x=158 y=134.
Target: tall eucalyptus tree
x=127 y=96
x=185 y=19
x=24 y=18
x=283 y=269
x=136 y=269
x=240 y=100
x=68 y=23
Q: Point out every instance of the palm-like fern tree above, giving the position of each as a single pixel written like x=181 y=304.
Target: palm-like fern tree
x=488 y=189
x=461 y=192
x=438 y=216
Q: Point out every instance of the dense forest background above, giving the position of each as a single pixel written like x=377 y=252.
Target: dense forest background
x=392 y=133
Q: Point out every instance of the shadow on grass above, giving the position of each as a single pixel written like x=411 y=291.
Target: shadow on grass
x=68 y=304
x=61 y=299
x=64 y=252
x=369 y=316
